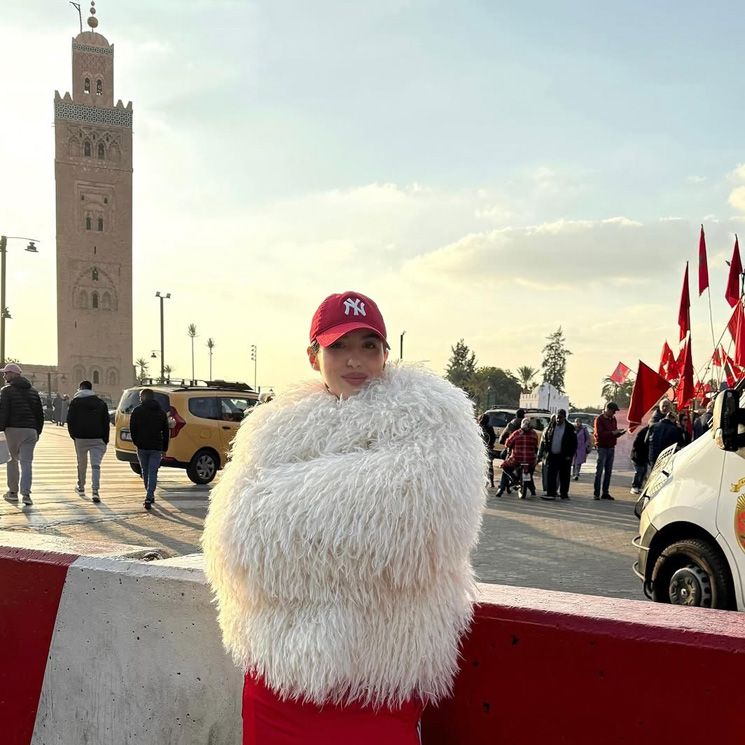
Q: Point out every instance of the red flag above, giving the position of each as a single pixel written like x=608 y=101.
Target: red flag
x=620 y=373
x=684 y=313
x=703 y=265
x=716 y=359
x=733 y=282
x=665 y=357
x=736 y=326
x=727 y=366
x=685 y=391
x=649 y=387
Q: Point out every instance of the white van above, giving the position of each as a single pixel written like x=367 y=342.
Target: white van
x=692 y=516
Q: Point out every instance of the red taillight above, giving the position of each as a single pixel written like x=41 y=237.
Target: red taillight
x=175 y=422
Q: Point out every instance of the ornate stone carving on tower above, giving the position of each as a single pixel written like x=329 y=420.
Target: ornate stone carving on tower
x=93 y=173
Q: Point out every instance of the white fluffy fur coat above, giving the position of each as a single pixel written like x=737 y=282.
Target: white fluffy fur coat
x=338 y=539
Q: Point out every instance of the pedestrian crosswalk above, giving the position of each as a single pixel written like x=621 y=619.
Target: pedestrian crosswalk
x=122 y=492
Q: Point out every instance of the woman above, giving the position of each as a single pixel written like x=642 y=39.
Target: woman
x=684 y=422
x=487 y=434
x=338 y=539
x=584 y=445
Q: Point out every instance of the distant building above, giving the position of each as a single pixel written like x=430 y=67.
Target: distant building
x=93 y=174
x=545 y=396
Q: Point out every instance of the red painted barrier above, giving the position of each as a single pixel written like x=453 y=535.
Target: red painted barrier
x=31 y=584
x=546 y=667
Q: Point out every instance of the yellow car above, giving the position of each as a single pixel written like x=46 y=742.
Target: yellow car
x=202 y=418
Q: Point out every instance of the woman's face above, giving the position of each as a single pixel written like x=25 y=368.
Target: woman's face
x=351 y=362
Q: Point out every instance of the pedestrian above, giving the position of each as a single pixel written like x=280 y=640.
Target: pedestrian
x=522 y=446
x=606 y=433
x=64 y=409
x=584 y=446
x=664 y=407
x=559 y=445
x=56 y=409
x=703 y=420
x=487 y=434
x=663 y=434
x=88 y=426
x=148 y=425
x=640 y=459
x=337 y=542
x=22 y=420
x=512 y=426
x=684 y=422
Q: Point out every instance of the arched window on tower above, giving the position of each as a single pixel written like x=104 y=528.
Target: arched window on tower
x=96 y=377
x=106 y=301
x=101 y=151
x=100 y=224
x=87 y=222
x=99 y=87
x=94 y=274
x=87 y=149
x=87 y=85
x=94 y=300
x=83 y=299
x=112 y=377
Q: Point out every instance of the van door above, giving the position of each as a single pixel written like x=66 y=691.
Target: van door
x=202 y=429
x=731 y=508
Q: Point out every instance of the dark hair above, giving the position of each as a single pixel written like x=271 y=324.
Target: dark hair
x=86 y=385
x=484 y=419
x=147 y=394
x=612 y=405
x=315 y=347
x=520 y=414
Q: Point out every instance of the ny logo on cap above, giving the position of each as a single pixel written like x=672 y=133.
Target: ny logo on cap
x=356 y=305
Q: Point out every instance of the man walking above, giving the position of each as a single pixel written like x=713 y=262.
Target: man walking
x=148 y=425
x=606 y=435
x=22 y=419
x=88 y=425
x=559 y=445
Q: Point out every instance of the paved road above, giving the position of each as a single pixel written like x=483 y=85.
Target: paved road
x=578 y=546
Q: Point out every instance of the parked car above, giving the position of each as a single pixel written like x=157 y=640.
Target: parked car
x=500 y=418
x=202 y=418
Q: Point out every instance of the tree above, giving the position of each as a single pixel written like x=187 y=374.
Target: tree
x=167 y=370
x=461 y=366
x=621 y=394
x=191 y=330
x=554 y=362
x=492 y=386
x=525 y=375
x=210 y=346
x=142 y=363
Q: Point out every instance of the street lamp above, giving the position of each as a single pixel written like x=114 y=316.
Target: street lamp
x=401 y=348
x=162 y=342
x=253 y=357
x=4 y=312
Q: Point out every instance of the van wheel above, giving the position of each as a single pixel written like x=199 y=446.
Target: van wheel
x=203 y=467
x=692 y=572
x=136 y=468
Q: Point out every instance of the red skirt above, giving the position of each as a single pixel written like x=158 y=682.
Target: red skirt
x=269 y=721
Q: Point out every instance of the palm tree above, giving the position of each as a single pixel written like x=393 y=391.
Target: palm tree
x=210 y=346
x=525 y=375
x=621 y=394
x=192 y=332
x=167 y=370
x=142 y=364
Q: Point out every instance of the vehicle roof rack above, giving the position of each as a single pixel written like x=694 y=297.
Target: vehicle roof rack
x=184 y=384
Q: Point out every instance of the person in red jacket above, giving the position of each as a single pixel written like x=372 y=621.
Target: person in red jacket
x=606 y=435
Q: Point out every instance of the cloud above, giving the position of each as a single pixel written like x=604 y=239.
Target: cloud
x=737 y=198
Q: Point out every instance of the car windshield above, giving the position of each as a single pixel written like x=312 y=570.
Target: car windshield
x=131 y=398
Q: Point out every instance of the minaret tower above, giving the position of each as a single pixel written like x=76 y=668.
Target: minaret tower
x=93 y=173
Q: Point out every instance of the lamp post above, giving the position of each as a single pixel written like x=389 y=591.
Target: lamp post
x=401 y=348
x=4 y=312
x=253 y=357
x=162 y=341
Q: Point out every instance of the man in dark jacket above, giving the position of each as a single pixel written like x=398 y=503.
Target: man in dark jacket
x=148 y=425
x=640 y=458
x=512 y=426
x=88 y=425
x=664 y=433
x=559 y=444
x=22 y=419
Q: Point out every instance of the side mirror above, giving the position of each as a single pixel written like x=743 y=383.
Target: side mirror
x=725 y=420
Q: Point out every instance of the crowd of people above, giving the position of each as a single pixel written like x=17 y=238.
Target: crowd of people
x=564 y=447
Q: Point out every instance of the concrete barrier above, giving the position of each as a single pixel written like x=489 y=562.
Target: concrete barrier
x=104 y=648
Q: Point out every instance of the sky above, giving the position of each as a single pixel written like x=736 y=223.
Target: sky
x=484 y=170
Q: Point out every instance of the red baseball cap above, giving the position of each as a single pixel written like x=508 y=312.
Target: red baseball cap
x=339 y=314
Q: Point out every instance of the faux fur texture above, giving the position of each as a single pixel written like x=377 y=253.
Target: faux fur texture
x=338 y=539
